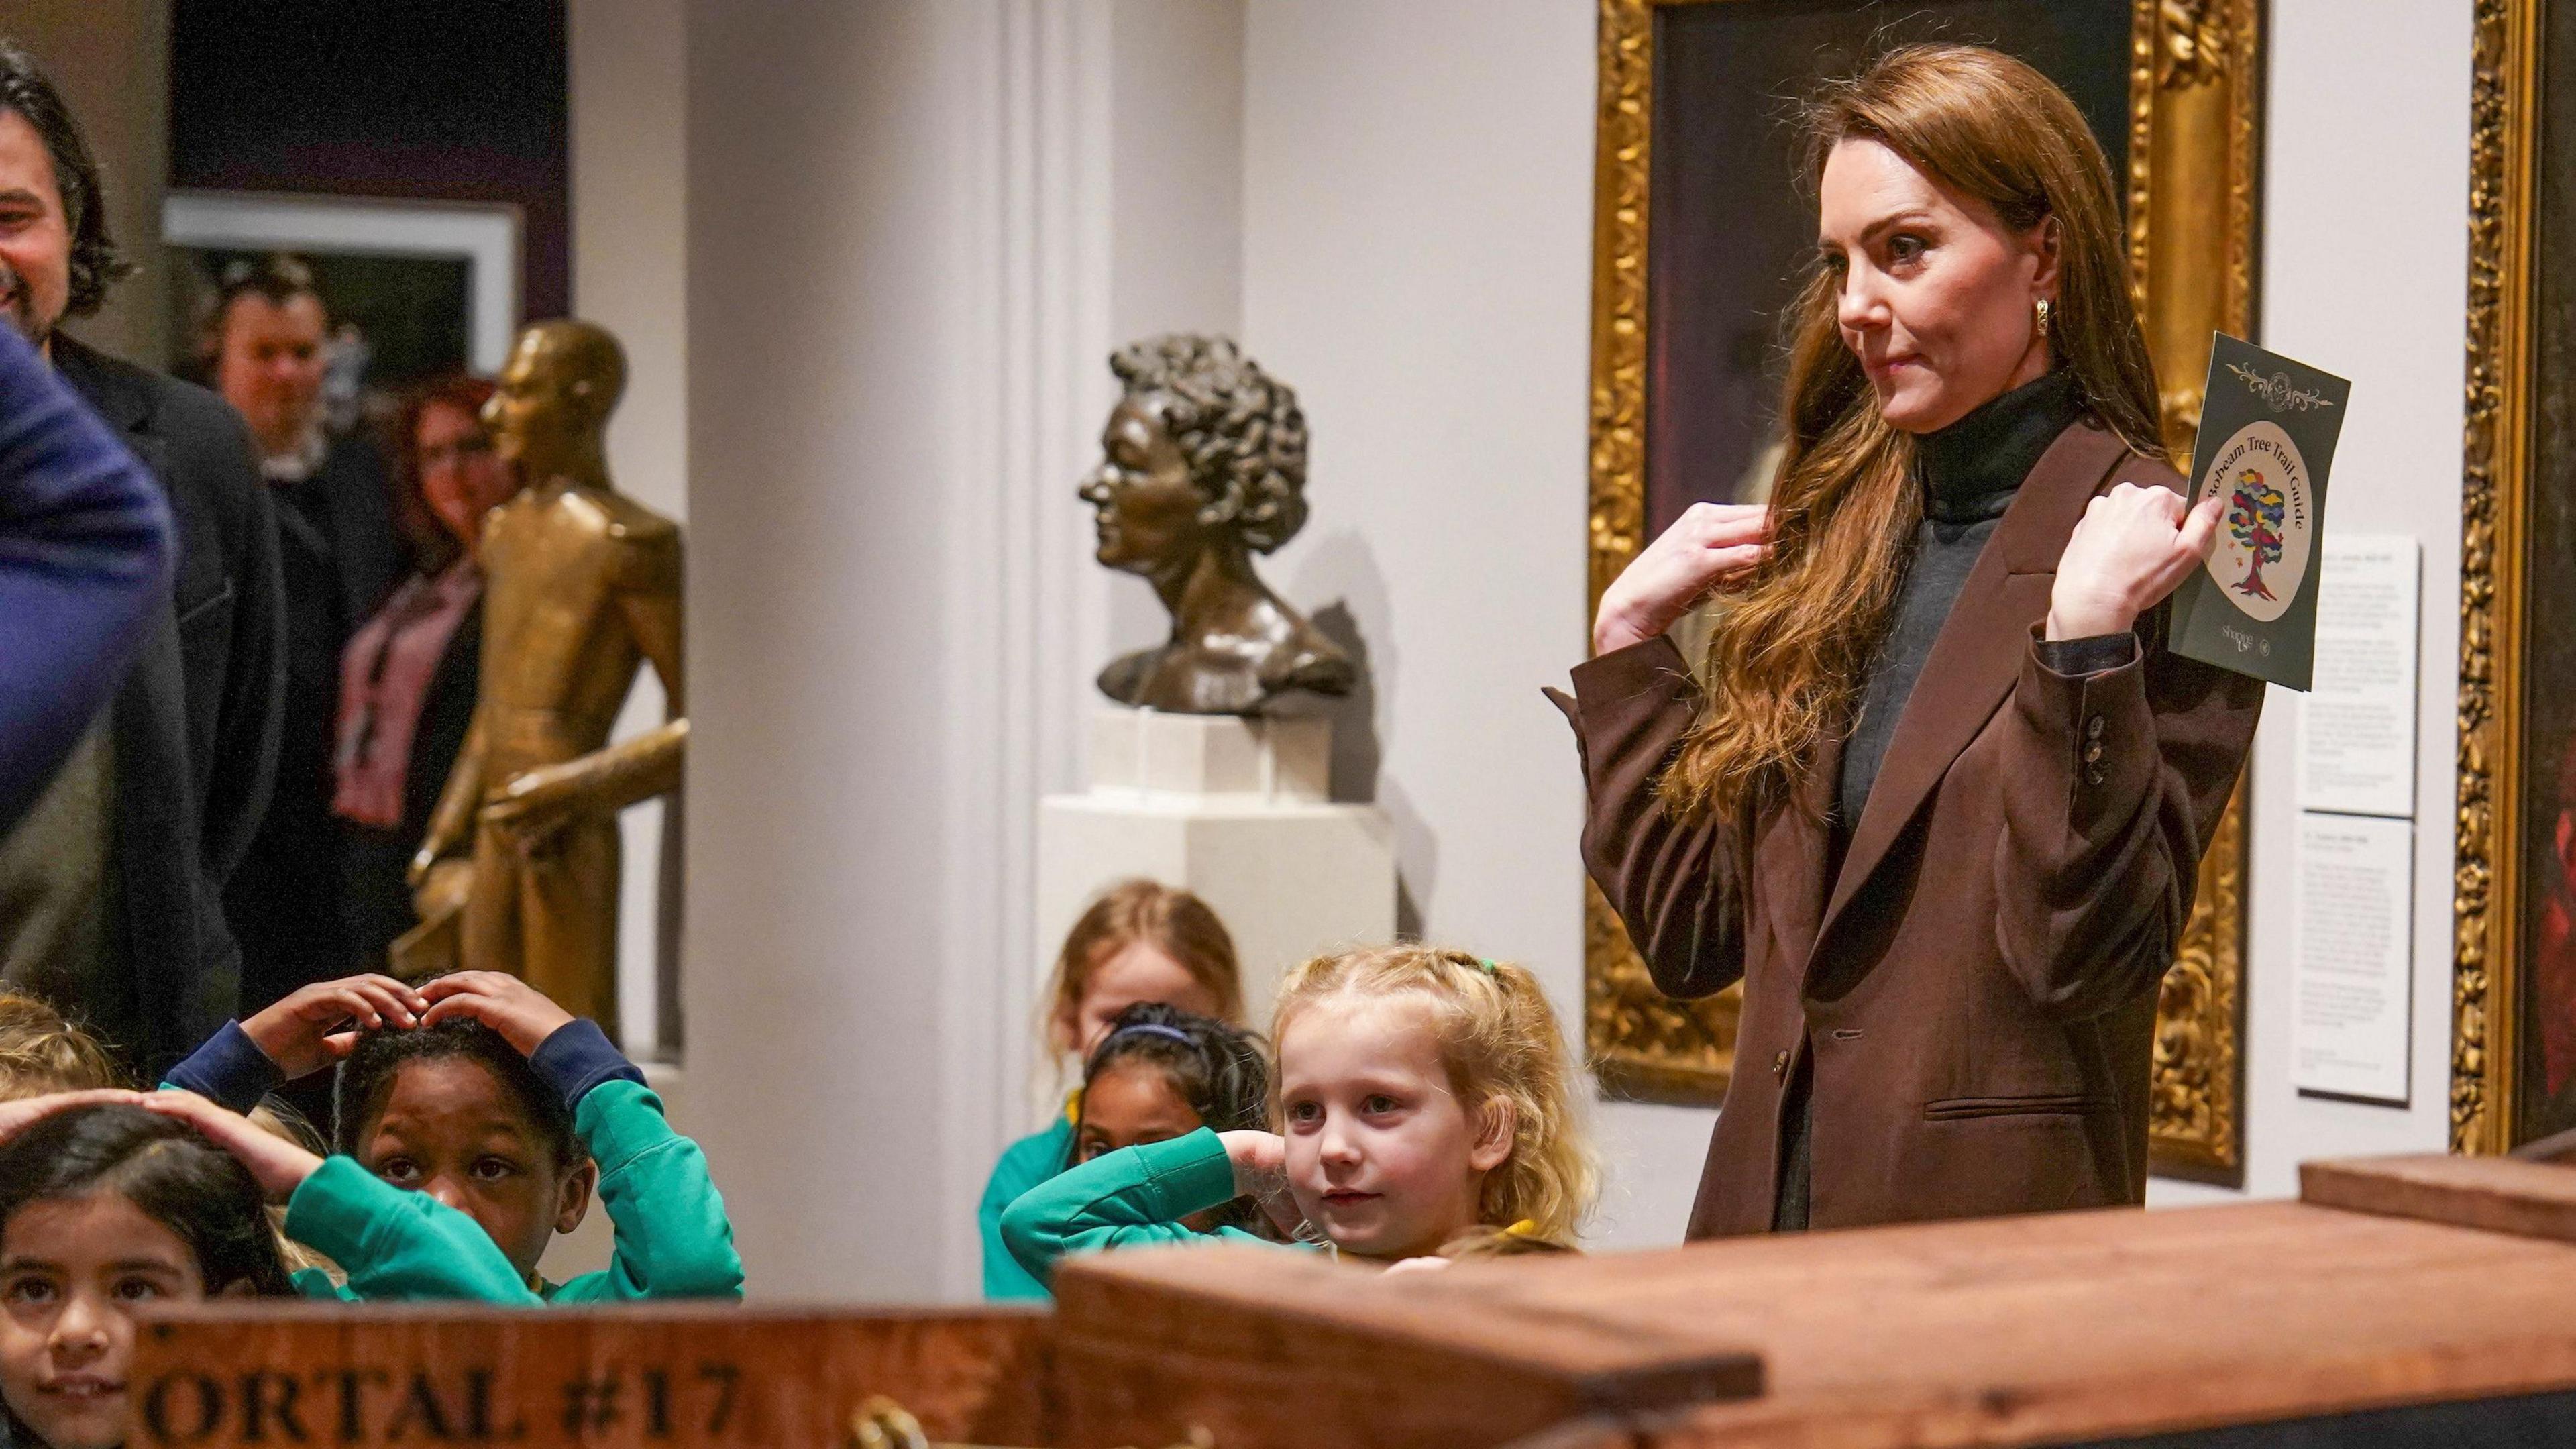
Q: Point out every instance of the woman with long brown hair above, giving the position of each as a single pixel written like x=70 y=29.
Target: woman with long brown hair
x=1942 y=799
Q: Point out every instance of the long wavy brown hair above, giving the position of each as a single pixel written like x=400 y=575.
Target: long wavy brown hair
x=1786 y=659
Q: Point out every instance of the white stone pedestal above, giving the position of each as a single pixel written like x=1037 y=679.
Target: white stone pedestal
x=1235 y=810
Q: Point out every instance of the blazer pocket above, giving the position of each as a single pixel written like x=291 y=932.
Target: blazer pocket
x=1953 y=1109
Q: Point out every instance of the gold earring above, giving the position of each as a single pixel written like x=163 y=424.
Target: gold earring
x=2043 y=309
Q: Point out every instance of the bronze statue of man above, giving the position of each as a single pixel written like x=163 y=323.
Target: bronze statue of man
x=581 y=585
x=1203 y=464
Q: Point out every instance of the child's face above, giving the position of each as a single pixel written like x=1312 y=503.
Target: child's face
x=1132 y=1102
x=450 y=1129
x=1381 y=1154
x=71 y=1274
x=1139 y=972
x=1127 y=1103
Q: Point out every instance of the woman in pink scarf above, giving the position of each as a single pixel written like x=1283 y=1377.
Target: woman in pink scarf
x=407 y=678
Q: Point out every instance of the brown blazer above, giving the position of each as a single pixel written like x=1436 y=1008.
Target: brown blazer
x=1977 y=988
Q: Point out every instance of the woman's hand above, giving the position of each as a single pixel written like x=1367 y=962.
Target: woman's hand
x=523 y=1015
x=1713 y=546
x=18 y=1116
x=2132 y=547
x=302 y=1035
x=277 y=1165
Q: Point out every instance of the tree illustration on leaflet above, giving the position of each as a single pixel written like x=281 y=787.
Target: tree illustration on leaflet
x=2254 y=514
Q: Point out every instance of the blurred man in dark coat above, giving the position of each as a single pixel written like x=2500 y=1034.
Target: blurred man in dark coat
x=341 y=554
x=111 y=887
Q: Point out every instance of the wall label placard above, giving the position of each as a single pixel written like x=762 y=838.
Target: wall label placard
x=2356 y=752
x=2353 y=987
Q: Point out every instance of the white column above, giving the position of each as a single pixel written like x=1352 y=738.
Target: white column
x=630 y=270
x=901 y=249
x=1417 y=258
x=823 y=318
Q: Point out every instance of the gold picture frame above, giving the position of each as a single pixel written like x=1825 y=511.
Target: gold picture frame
x=2496 y=480
x=2194 y=127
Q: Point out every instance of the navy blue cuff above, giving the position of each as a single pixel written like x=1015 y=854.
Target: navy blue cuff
x=578 y=1057
x=229 y=1070
x=2093 y=654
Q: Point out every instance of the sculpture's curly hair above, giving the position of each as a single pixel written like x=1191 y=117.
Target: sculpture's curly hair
x=1239 y=427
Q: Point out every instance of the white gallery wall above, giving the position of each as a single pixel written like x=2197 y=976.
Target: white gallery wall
x=903 y=267
x=1417 y=262
x=912 y=233
x=2367 y=137
x=818 y=482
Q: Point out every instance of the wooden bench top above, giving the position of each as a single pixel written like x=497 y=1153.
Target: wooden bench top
x=2403 y=1281
x=2006 y=1331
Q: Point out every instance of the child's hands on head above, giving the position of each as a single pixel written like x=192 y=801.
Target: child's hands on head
x=277 y=1165
x=523 y=1015
x=18 y=1116
x=455 y=1109
x=320 y=1024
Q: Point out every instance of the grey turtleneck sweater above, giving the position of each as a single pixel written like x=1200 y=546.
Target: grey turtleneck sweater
x=1969 y=473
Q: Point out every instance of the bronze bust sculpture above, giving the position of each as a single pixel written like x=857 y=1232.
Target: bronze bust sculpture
x=582 y=587
x=1203 y=465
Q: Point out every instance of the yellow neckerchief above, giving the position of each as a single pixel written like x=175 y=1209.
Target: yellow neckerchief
x=1073 y=1108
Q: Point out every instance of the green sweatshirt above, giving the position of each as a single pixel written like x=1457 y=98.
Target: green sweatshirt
x=1134 y=1197
x=673 y=1239
x=393 y=1244
x=1025 y=1163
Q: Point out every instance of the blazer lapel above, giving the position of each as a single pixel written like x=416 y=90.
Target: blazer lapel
x=123 y=405
x=110 y=396
x=1978 y=653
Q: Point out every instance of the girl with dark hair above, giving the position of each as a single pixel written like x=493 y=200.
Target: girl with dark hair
x=1162 y=1073
x=111 y=1199
x=1158 y=1075
x=478 y=1090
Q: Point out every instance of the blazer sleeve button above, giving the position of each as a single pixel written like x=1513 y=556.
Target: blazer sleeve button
x=2093 y=728
x=1780 y=1067
x=2093 y=775
x=2093 y=753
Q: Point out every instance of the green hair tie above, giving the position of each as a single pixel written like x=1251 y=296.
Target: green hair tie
x=1489 y=968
